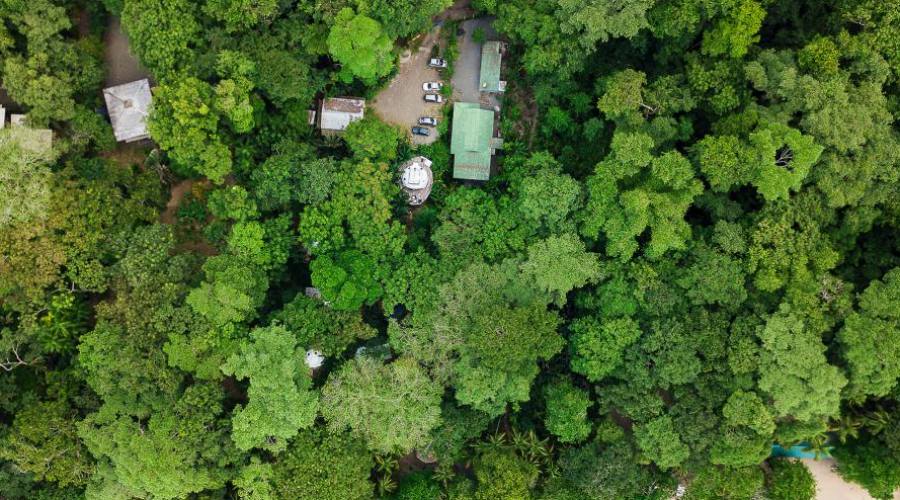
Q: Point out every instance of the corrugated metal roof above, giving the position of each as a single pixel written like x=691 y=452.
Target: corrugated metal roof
x=128 y=105
x=470 y=142
x=490 y=67
x=337 y=112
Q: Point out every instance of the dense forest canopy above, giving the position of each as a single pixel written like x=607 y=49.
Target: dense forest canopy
x=687 y=254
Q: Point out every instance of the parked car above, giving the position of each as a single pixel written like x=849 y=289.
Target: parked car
x=437 y=98
x=428 y=120
x=420 y=131
x=437 y=62
x=432 y=86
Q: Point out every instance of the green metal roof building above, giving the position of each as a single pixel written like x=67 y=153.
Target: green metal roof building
x=490 y=68
x=472 y=143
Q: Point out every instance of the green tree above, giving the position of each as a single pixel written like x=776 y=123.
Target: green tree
x=25 y=178
x=870 y=463
x=183 y=448
x=499 y=355
x=611 y=471
x=598 y=20
x=184 y=123
x=321 y=327
x=567 y=407
x=281 y=397
x=320 y=465
x=359 y=44
x=794 y=372
x=748 y=427
x=660 y=442
x=598 y=347
x=393 y=407
x=402 y=19
x=631 y=192
x=373 y=139
x=162 y=33
x=869 y=339
x=790 y=480
x=713 y=482
x=503 y=475
x=241 y=15
x=43 y=441
x=737 y=30
x=559 y=264
x=348 y=280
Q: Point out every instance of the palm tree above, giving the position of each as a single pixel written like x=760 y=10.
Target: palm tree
x=876 y=421
x=818 y=444
x=846 y=427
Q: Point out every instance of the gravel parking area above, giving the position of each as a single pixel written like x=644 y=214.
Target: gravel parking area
x=401 y=102
x=466 y=72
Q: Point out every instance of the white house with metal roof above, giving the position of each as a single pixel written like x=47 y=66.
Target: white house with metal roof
x=128 y=105
x=335 y=113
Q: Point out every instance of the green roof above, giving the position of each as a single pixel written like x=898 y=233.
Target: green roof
x=470 y=142
x=490 y=67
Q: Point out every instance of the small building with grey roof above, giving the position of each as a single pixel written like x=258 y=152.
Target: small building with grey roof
x=491 y=59
x=336 y=113
x=128 y=106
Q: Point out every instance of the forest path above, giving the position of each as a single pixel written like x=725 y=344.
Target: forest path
x=179 y=191
x=121 y=65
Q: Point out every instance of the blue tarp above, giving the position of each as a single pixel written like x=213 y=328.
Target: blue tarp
x=798 y=451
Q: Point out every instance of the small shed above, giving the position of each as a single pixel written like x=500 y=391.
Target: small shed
x=416 y=179
x=472 y=142
x=491 y=58
x=128 y=105
x=335 y=113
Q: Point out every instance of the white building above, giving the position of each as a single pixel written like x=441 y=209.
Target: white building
x=416 y=179
x=128 y=105
x=335 y=113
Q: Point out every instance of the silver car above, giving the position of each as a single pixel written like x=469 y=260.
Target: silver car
x=436 y=98
x=428 y=120
x=437 y=62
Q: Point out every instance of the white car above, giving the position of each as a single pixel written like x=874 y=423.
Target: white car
x=432 y=86
x=437 y=62
x=437 y=98
x=428 y=120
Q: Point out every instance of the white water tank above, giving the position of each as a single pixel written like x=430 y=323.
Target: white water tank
x=314 y=359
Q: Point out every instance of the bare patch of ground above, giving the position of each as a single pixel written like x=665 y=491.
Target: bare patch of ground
x=128 y=154
x=461 y=9
x=401 y=103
